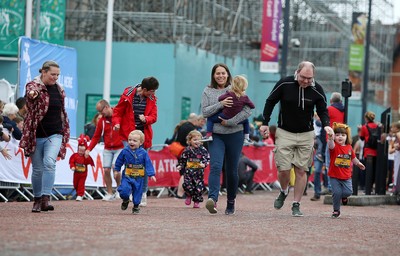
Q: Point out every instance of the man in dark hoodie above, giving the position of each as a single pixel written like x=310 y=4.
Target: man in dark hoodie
x=298 y=95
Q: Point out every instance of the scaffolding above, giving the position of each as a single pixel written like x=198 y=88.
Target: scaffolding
x=232 y=28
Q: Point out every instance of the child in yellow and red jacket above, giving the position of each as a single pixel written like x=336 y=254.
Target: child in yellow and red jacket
x=78 y=163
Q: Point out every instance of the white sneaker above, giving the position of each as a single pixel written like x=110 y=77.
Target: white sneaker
x=206 y=138
x=78 y=198
x=116 y=195
x=109 y=197
x=143 y=203
x=247 y=142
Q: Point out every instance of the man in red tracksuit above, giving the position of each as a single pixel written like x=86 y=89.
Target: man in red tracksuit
x=112 y=146
x=137 y=110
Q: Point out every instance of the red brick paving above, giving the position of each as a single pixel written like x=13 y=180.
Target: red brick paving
x=167 y=227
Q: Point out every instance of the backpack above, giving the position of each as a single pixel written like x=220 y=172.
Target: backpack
x=374 y=137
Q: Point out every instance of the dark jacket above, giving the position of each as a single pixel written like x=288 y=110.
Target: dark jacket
x=296 y=105
x=183 y=131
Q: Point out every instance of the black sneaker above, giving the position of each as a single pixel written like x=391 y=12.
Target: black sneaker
x=135 y=209
x=296 y=210
x=230 y=207
x=124 y=205
x=345 y=200
x=336 y=215
x=315 y=198
x=280 y=200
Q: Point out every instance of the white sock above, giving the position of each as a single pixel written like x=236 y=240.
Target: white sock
x=247 y=136
x=286 y=191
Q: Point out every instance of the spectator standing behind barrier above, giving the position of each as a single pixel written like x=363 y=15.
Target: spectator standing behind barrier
x=2 y=103
x=138 y=167
x=112 y=146
x=358 y=177
x=320 y=140
x=78 y=163
x=390 y=161
x=91 y=127
x=175 y=134
x=19 y=122
x=298 y=95
x=22 y=110
x=227 y=140
x=370 y=152
x=340 y=169
x=193 y=160
x=4 y=136
x=336 y=114
x=201 y=124
x=394 y=148
x=137 y=110
x=9 y=114
x=238 y=95
x=246 y=175
x=46 y=131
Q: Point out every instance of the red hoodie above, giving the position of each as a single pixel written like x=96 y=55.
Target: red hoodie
x=104 y=128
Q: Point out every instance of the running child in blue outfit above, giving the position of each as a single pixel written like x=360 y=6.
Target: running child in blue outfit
x=137 y=165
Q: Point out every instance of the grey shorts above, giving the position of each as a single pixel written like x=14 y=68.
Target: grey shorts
x=293 y=149
x=109 y=157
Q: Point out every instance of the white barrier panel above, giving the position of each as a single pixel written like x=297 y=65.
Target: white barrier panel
x=19 y=169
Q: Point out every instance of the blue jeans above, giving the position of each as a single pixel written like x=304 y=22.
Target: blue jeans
x=340 y=189
x=228 y=148
x=145 y=179
x=317 y=176
x=44 y=164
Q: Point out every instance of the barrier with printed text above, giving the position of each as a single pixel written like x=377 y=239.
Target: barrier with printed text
x=19 y=169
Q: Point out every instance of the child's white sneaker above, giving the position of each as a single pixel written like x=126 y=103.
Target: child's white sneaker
x=248 y=142
x=78 y=198
x=143 y=203
x=206 y=138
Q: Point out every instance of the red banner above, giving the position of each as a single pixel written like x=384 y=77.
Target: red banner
x=165 y=166
x=264 y=158
x=168 y=176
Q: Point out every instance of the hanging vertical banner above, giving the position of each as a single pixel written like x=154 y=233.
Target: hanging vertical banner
x=51 y=21
x=356 y=52
x=33 y=54
x=272 y=10
x=12 y=25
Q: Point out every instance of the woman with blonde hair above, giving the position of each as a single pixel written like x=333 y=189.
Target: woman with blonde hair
x=46 y=132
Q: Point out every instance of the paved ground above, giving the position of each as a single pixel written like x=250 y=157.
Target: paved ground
x=168 y=227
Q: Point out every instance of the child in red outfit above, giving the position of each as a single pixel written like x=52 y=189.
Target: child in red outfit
x=340 y=169
x=78 y=163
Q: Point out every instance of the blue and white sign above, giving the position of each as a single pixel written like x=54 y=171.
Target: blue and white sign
x=32 y=55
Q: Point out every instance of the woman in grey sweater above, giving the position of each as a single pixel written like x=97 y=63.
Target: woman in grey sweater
x=227 y=140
